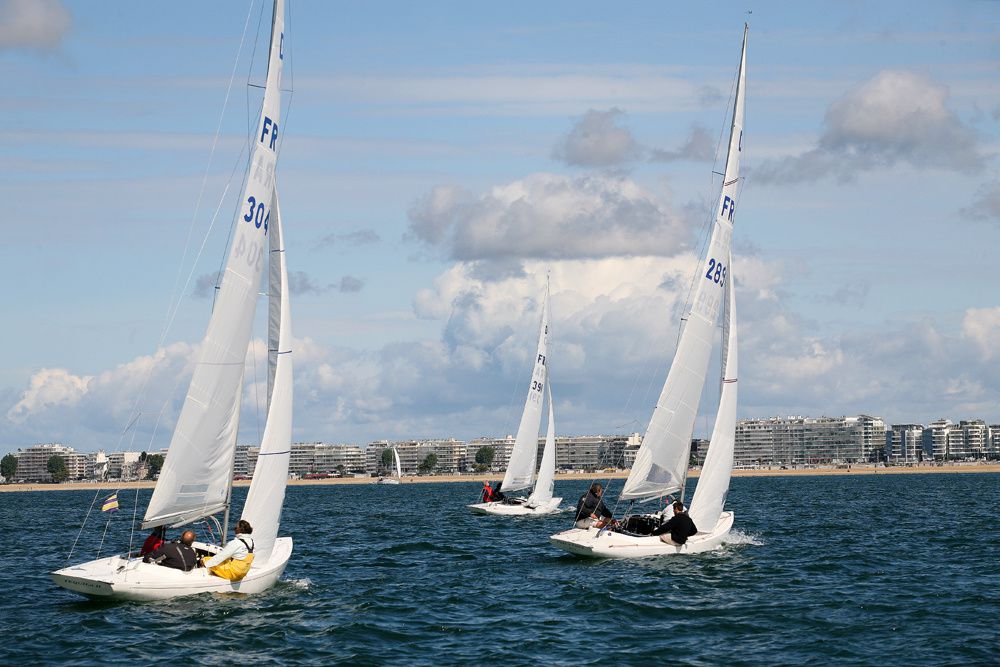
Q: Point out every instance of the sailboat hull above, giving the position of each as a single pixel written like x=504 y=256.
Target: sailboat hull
x=597 y=543
x=521 y=509
x=387 y=481
x=123 y=578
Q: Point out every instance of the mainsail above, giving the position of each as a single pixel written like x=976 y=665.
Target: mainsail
x=267 y=489
x=197 y=472
x=521 y=466
x=545 y=484
x=399 y=467
x=662 y=461
x=713 y=484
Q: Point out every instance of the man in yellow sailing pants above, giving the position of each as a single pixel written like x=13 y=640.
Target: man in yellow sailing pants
x=235 y=559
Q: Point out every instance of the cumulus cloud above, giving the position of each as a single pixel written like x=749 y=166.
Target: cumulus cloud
x=597 y=140
x=548 y=216
x=986 y=206
x=896 y=117
x=47 y=388
x=697 y=147
x=982 y=327
x=33 y=24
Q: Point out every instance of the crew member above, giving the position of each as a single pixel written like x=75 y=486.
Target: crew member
x=678 y=529
x=591 y=509
x=177 y=555
x=154 y=541
x=487 y=492
x=235 y=559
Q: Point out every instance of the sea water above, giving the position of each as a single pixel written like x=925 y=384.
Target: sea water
x=873 y=569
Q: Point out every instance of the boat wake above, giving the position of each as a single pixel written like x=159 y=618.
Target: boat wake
x=737 y=537
x=303 y=584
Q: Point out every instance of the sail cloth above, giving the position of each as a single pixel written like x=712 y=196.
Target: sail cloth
x=197 y=472
x=546 y=482
x=399 y=466
x=661 y=463
x=267 y=489
x=713 y=484
x=523 y=457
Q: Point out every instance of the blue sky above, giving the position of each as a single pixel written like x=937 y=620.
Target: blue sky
x=585 y=132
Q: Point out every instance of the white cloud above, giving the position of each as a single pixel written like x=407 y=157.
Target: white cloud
x=698 y=146
x=895 y=117
x=596 y=140
x=33 y=24
x=549 y=216
x=49 y=387
x=982 y=327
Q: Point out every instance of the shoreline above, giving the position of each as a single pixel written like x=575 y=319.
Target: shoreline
x=863 y=469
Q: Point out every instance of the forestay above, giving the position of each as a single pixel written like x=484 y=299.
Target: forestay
x=545 y=484
x=661 y=462
x=267 y=489
x=197 y=472
x=521 y=467
x=713 y=484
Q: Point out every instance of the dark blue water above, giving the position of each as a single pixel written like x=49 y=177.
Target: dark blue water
x=894 y=570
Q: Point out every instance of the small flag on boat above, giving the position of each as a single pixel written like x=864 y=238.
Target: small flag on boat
x=110 y=503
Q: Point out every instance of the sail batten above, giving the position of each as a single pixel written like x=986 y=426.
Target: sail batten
x=662 y=461
x=204 y=441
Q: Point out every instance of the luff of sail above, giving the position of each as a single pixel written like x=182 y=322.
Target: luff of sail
x=545 y=484
x=197 y=472
x=267 y=489
x=399 y=466
x=661 y=462
x=713 y=483
x=521 y=466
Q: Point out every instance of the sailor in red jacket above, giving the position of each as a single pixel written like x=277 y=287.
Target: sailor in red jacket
x=153 y=542
x=487 y=492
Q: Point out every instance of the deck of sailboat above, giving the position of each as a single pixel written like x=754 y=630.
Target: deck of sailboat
x=123 y=578
x=516 y=509
x=599 y=543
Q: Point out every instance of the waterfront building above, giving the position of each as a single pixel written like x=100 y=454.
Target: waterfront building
x=240 y=462
x=936 y=439
x=808 y=440
x=502 y=447
x=975 y=437
x=450 y=453
x=904 y=443
x=338 y=458
x=993 y=451
x=32 y=462
x=125 y=466
x=97 y=465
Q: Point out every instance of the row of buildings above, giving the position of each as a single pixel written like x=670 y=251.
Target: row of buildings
x=789 y=441
x=32 y=464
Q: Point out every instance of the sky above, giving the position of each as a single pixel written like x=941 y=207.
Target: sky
x=440 y=159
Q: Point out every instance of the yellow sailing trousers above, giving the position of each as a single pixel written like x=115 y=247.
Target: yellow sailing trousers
x=233 y=569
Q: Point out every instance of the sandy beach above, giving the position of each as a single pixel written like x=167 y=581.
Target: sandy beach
x=431 y=479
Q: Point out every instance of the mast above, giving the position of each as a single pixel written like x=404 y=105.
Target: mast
x=196 y=478
x=661 y=463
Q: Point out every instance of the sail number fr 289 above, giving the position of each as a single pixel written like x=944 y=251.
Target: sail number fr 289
x=716 y=272
x=258 y=214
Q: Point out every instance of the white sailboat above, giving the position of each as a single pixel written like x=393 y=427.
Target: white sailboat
x=661 y=463
x=196 y=480
x=520 y=472
x=399 y=470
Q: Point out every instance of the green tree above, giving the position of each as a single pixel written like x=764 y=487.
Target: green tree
x=8 y=467
x=429 y=463
x=485 y=456
x=154 y=463
x=387 y=458
x=56 y=466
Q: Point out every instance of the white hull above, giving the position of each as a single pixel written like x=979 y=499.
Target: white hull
x=520 y=509
x=387 y=481
x=597 y=543
x=121 y=578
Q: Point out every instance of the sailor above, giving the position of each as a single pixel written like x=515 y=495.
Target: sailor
x=591 y=508
x=153 y=542
x=487 y=492
x=235 y=559
x=678 y=529
x=179 y=555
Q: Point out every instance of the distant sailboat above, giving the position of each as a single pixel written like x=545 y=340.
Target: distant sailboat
x=661 y=463
x=520 y=472
x=196 y=480
x=399 y=470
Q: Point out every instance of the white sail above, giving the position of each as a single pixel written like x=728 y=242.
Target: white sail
x=713 y=484
x=521 y=466
x=197 y=472
x=267 y=489
x=546 y=482
x=662 y=461
x=399 y=467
